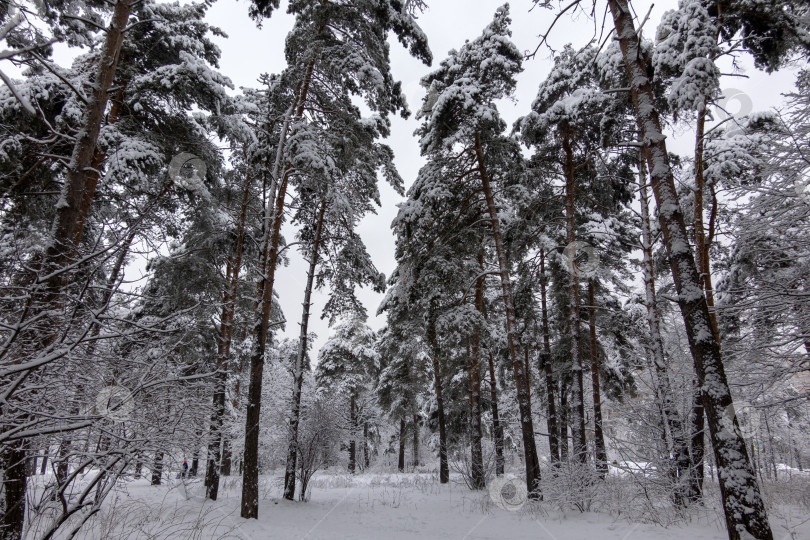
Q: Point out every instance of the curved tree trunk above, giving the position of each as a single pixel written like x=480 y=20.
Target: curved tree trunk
x=742 y=502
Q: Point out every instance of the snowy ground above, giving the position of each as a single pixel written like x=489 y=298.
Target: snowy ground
x=383 y=506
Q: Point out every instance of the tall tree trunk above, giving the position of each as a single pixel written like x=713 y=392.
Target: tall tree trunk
x=415 y=440
x=598 y=434
x=444 y=470
x=702 y=241
x=672 y=420
x=477 y=454
x=224 y=340
x=227 y=459
x=563 y=421
x=157 y=468
x=521 y=380
x=698 y=444
x=71 y=211
x=366 y=461
x=14 y=488
x=250 y=460
x=742 y=501
x=353 y=431
x=497 y=428
x=546 y=369
x=298 y=375
x=401 y=462
x=580 y=446
x=274 y=216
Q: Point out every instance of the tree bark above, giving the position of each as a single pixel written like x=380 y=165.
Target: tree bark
x=401 y=462
x=353 y=430
x=444 y=469
x=476 y=451
x=672 y=420
x=580 y=446
x=366 y=461
x=71 y=211
x=546 y=369
x=497 y=428
x=273 y=219
x=563 y=422
x=415 y=440
x=742 y=501
x=295 y=409
x=598 y=435
x=14 y=488
x=157 y=469
x=224 y=340
x=521 y=381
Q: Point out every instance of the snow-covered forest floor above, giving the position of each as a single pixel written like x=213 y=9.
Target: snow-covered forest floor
x=416 y=505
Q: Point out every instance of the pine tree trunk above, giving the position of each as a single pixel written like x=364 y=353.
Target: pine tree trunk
x=14 y=488
x=401 y=462
x=697 y=456
x=702 y=242
x=580 y=446
x=234 y=266
x=157 y=469
x=250 y=460
x=295 y=408
x=521 y=381
x=71 y=211
x=269 y=258
x=227 y=458
x=672 y=420
x=563 y=422
x=742 y=501
x=598 y=434
x=444 y=469
x=497 y=428
x=353 y=431
x=546 y=369
x=415 y=441
x=476 y=451
x=366 y=461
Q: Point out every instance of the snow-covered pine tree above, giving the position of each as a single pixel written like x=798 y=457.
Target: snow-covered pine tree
x=333 y=49
x=348 y=365
x=461 y=120
x=742 y=502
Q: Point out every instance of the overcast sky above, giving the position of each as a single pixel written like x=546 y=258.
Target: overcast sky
x=249 y=51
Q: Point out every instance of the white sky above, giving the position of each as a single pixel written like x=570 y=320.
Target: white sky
x=249 y=51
